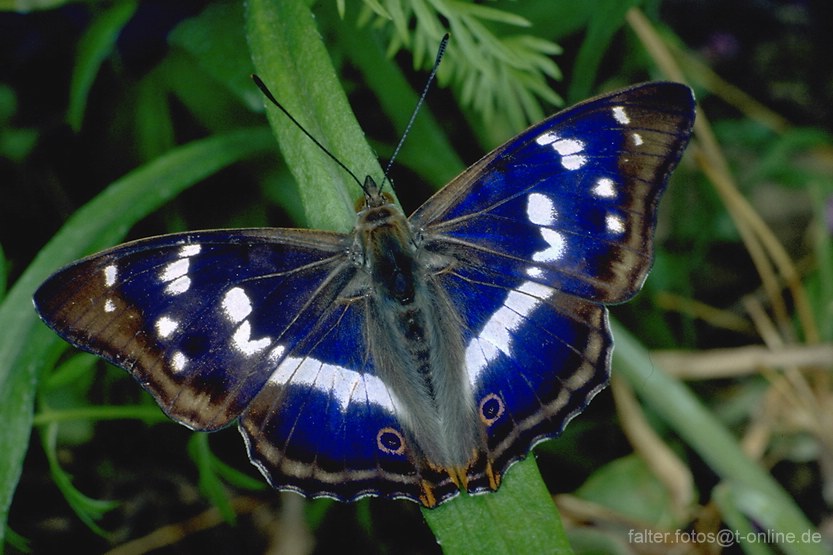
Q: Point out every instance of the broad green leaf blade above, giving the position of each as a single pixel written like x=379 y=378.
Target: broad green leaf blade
x=216 y=41
x=519 y=518
x=600 y=32
x=294 y=63
x=101 y=222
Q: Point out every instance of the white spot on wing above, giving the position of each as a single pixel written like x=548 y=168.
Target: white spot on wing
x=179 y=361
x=110 y=275
x=498 y=330
x=540 y=209
x=614 y=224
x=379 y=394
x=568 y=149
x=496 y=335
x=190 y=250
x=620 y=115
x=637 y=139
x=178 y=286
x=276 y=353
x=554 y=251
x=175 y=269
x=547 y=138
x=236 y=304
x=165 y=326
x=344 y=384
x=336 y=381
x=540 y=292
x=478 y=356
x=573 y=162
x=109 y=306
x=243 y=342
x=604 y=187
x=285 y=370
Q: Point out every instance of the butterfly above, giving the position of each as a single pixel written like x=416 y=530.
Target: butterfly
x=414 y=357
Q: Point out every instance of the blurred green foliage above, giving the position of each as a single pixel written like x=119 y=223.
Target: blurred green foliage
x=140 y=102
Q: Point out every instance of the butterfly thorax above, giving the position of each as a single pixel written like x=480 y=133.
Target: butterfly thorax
x=414 y=339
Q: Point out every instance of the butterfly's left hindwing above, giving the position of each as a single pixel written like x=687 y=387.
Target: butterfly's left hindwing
x=325 y=424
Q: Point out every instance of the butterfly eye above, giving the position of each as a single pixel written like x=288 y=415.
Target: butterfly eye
x=390 y=441
x=491 y=409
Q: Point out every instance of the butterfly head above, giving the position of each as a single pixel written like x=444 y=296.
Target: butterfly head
x=373 y=196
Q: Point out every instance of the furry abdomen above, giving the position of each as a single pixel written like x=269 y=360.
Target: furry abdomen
x=414 y=340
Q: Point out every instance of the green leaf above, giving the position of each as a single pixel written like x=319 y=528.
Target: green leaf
x=628 y=487
x=93 y=49
x=209 y=483
x=493 y=14
x=426 y=150
x=25 y=6
x=100 y=223
x=154 y=127
x=215 y=40
x=17 y=541
x=3 y=274
x=519 y=518
x=821 y=280
x=292 y=60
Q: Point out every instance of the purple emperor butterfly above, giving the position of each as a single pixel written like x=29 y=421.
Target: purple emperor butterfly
x=414 y=357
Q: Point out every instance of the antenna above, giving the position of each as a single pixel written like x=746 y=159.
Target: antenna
x=268 y=94
x=437 y=60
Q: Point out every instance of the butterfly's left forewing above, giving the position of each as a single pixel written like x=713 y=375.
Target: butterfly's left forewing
x=540 y=235
x=201 y=318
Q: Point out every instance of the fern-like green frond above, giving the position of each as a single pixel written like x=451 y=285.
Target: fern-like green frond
x=491 y=72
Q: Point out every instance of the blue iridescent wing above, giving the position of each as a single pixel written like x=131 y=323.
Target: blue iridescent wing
x=257 y=325
x=325 y=424
x=186 y=314
x=545 y=231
